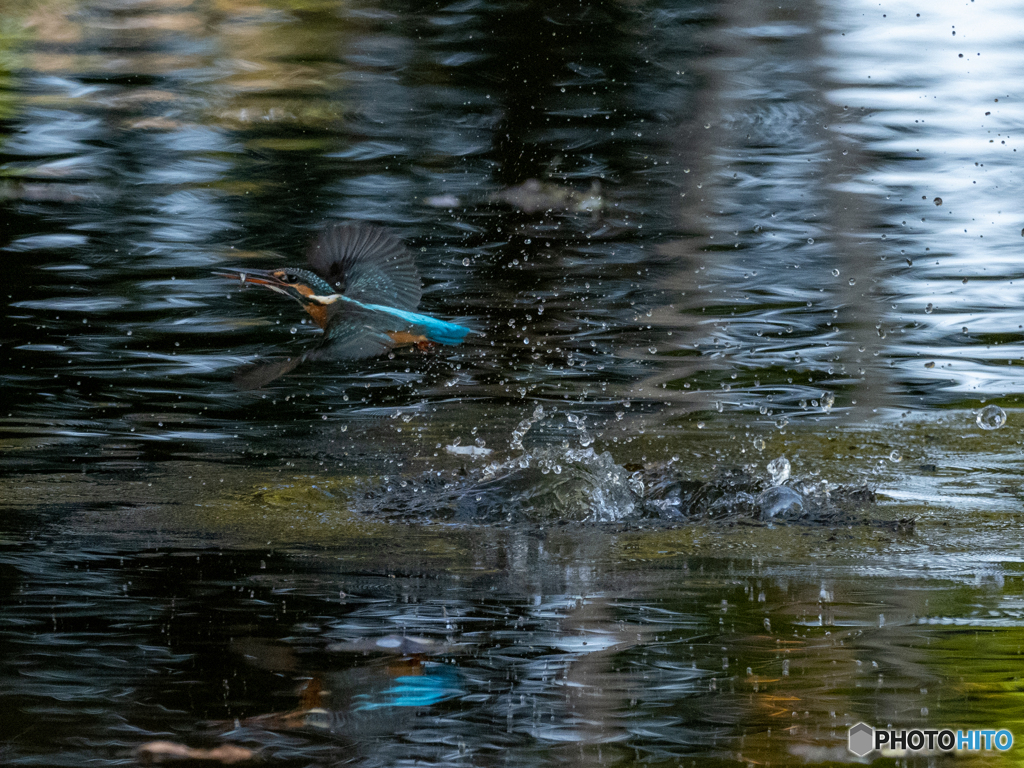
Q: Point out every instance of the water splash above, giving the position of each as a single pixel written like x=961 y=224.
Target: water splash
x=581 y=425
x=779 y=500
x=779 y=469
x=516 y=443
x=563 y=483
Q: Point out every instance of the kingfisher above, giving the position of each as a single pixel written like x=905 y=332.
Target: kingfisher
x=362 y=289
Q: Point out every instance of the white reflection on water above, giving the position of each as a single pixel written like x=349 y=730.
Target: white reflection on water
x=861 y=141
x=936 y=86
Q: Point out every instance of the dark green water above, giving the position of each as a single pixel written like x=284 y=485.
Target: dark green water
x=701 y=238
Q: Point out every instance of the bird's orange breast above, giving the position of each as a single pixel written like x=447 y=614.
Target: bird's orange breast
x=319 y=314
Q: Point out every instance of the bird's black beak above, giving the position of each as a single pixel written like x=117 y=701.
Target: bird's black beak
x=254 y=277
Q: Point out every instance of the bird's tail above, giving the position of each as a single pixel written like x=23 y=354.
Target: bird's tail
x=439 y=331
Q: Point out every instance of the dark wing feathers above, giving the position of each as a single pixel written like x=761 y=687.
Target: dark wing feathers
x=356 y=335
x=258 y=375
x=355 y=340
x=367 y=263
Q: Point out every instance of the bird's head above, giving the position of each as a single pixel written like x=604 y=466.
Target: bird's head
x=309 y=289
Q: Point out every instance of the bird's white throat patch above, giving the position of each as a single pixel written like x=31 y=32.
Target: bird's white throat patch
x=324 y=300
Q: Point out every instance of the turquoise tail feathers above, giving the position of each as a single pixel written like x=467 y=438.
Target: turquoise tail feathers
x=439 y=331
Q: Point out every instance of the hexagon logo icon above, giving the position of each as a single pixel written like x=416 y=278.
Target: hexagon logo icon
x=861 y=739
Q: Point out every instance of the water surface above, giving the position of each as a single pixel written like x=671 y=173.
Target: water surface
x=698 y=238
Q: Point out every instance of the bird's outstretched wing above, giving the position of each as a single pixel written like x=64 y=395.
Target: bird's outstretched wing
x=258 y=375
x=356 y=335
x=368 y=264
x=350 y=338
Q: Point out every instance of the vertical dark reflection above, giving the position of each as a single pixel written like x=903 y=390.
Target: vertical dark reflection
x=536 y=48
x=765 y=289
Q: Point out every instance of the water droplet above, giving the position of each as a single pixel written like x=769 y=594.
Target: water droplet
x=759 y=443
x=896 y=457
x=810 y=241
x=991 y=417
x=779 y=470
x=937 y=201
x=853 y=281
x=835 y=273
x=466 y=262
x=928 y=309
x=294 y=330
x=827 y=401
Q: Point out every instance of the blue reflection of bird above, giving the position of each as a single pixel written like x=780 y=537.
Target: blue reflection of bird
x=361 y=288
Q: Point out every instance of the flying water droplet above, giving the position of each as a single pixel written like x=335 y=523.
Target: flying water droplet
x=827 y=401
x=991 y=417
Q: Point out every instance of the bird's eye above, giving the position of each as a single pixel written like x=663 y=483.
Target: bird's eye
x=286 y=278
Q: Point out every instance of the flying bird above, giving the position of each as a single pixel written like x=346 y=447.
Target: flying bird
x=362 y=288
